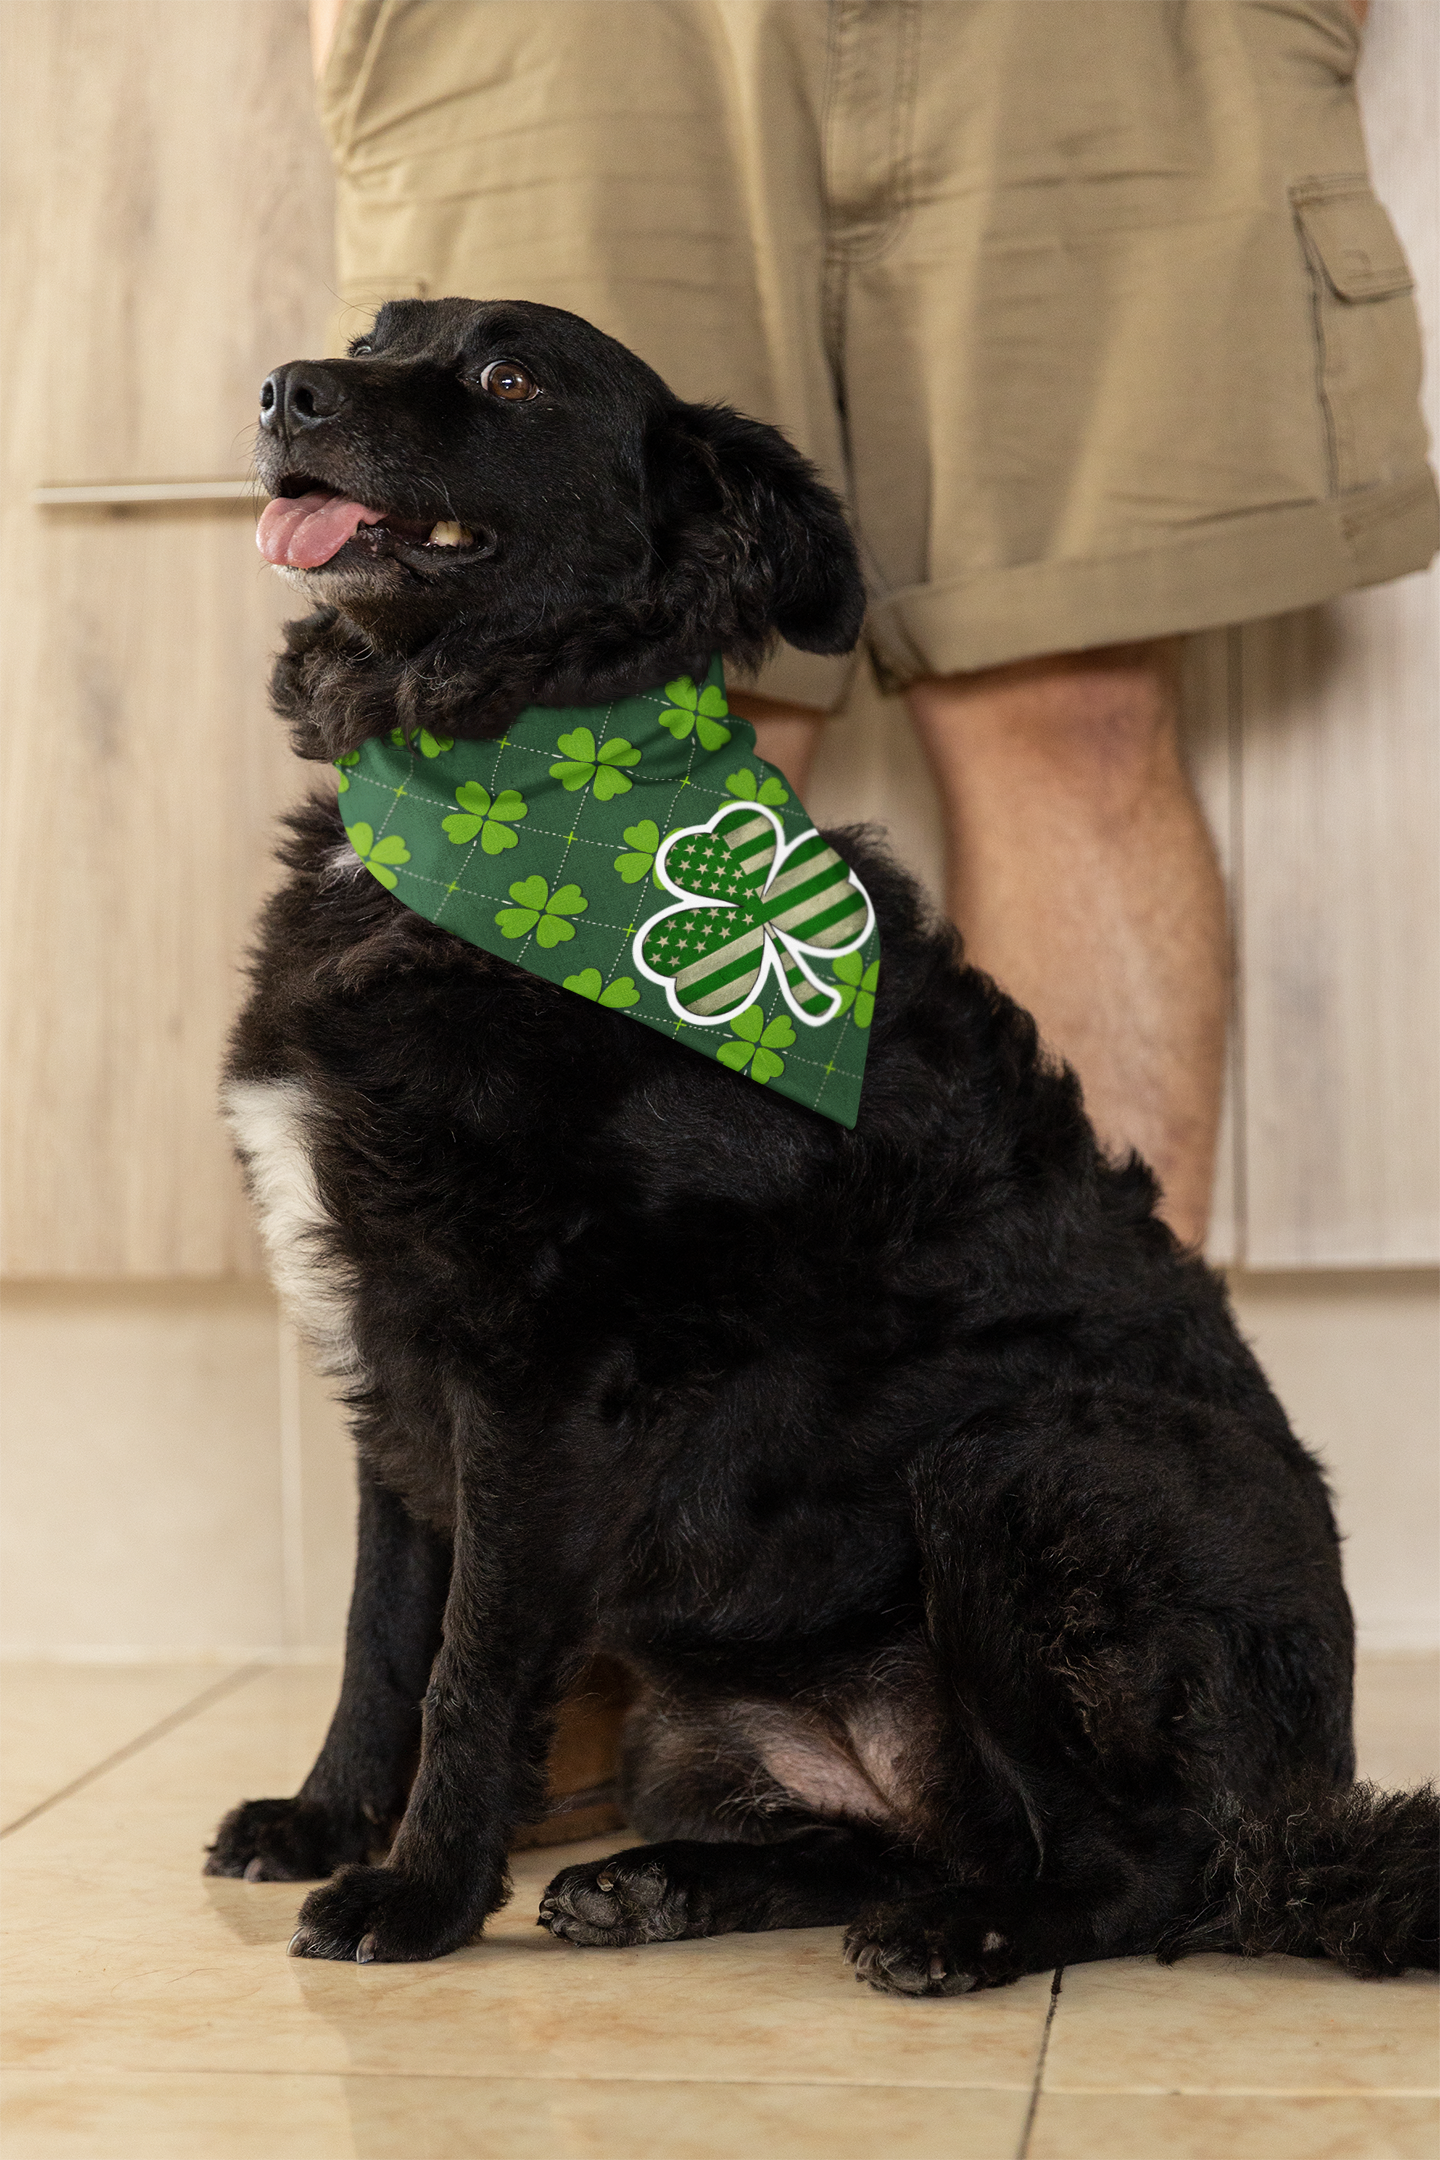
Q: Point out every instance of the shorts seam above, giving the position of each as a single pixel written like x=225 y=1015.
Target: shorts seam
x=902 y=136
x=1321 y=360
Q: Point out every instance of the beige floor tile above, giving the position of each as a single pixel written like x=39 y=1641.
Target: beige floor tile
x=1241 y=2025
x=1397 y=1717
x=123 y=1957
x=1129 y=2126
x=228 y=2116
x=58 y=1721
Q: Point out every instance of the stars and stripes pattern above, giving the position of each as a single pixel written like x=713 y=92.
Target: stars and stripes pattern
x=763 y=901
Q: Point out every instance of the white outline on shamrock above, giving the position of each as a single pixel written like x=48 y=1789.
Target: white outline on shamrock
x=797 y=948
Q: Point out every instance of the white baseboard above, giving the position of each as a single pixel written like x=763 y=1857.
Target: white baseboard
x=20 y=1653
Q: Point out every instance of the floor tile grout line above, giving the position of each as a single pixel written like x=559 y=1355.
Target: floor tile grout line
x=536 y=2077
x=1023 y=2148
x=212 y=1694
x=530 y=2076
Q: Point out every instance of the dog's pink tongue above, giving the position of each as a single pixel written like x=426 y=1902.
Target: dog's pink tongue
x=306 y=530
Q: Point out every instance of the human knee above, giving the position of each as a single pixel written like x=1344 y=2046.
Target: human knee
x=1098 y=731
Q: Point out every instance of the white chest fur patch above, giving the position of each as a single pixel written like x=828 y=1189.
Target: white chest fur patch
x=268 y=1119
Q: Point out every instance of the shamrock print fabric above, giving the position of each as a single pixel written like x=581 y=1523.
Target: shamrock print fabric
x=642 y=856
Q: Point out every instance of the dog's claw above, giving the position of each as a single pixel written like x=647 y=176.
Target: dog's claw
x=255 y=1870
x=290 y=1949
x=365 y=1950
x=937 y=1968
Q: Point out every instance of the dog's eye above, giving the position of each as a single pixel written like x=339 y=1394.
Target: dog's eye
x=507 y=379
x=361 y=349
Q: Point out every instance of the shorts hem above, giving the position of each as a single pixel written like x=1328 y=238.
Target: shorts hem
x=798 y=678
x=1235 y=570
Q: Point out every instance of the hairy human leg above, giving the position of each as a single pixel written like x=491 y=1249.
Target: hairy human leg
x=1083 y=878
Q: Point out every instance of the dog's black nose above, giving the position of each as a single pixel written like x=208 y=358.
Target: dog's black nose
x=298 y=396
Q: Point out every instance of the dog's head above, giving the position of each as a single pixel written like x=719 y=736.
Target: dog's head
x=497 y=505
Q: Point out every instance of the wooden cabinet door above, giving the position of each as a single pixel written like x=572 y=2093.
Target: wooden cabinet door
x=170 y=241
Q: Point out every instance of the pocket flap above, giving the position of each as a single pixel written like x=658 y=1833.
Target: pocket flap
x=1354 y=240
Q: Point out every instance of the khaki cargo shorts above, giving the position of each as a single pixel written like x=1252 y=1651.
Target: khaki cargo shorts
x=1086 y=306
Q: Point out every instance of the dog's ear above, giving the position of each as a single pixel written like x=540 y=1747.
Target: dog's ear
x=743 y=513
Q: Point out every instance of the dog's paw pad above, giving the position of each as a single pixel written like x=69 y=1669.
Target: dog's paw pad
x=907 y=1950
x=612 y=1903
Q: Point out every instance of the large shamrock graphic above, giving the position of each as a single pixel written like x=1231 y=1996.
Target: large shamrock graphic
x=759 y=1040
x=856 y=985
x=644 y=840
x=378 y=855
x=429 y=746
x=491 y=820
x=342 y=784
x=703 y=710
x=750 y=903
x=537 y=908
x=582 y=765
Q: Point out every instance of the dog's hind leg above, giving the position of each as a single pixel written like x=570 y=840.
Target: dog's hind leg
x=356 y=1793
x=821 y=1875
x=1134 y=1607
x=762 y=1816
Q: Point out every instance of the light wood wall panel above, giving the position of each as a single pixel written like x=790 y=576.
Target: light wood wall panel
x=177 y=243
x=1339 y=785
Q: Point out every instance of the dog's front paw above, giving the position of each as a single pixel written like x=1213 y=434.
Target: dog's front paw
x=285 y=1841
x=629 y=1899
x=931 y=1946
x=377 y=1916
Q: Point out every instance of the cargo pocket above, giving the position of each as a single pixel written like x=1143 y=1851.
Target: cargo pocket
x=1366 y=333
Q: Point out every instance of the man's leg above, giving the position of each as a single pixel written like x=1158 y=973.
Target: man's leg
x=785 y=735
x=1083 y=878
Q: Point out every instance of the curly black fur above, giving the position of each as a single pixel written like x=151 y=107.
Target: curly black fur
x=978 y=1594
x=1351 y=1875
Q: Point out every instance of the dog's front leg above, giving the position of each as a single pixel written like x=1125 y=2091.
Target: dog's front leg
x=356 y=1793
x=510 y=1617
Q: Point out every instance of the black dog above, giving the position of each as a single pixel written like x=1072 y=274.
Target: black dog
x=979 y=1595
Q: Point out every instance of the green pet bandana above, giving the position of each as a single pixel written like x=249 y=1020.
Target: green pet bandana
x=641 y=855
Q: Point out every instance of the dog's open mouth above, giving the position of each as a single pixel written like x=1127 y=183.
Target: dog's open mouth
x=308 y=524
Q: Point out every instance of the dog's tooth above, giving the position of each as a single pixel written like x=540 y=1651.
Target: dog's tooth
x=448 y=534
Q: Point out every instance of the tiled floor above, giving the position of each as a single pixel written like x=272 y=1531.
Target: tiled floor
x=153 y=2015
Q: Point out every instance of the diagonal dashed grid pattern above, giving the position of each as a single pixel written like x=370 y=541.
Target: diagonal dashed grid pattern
x=574 y=837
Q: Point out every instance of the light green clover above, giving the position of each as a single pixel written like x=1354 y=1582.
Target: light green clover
x=584 y=766
x=757 y=1045
x=429 y=746
x=540 y=910
x=701 y=710
x=491 y=820
x=856 y=985
x=377 y=855
x=742 y=783
x=644 y=839
x=616 y=995
x=351 y=757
